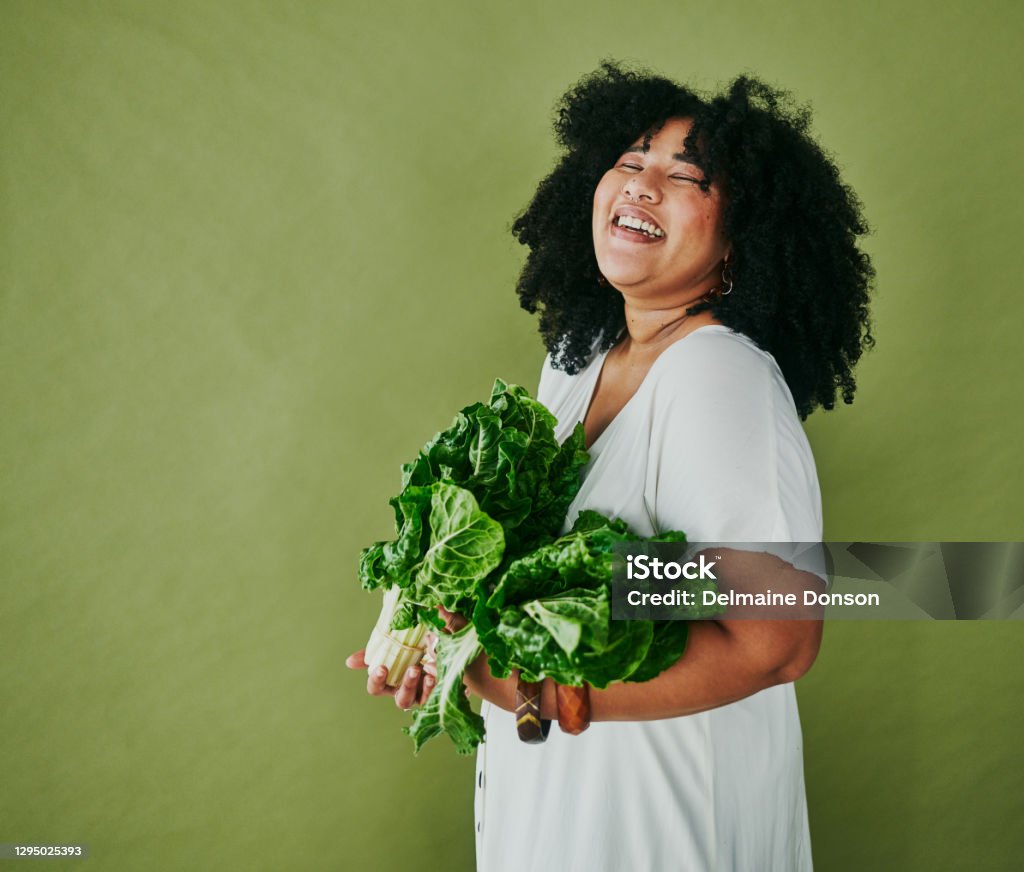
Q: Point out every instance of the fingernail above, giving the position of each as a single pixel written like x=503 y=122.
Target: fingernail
x=414 y=672
x=381 y=672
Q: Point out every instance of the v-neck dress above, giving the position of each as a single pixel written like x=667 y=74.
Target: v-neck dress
x=710 y=444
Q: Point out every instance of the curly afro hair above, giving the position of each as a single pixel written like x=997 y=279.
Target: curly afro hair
x=800 y=284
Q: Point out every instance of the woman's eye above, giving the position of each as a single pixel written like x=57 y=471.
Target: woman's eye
x=679 y=178
x=630 y=166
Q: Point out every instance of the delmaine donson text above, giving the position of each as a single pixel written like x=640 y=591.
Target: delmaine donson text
x=642 y=567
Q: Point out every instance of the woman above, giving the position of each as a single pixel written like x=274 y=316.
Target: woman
x=695 y=267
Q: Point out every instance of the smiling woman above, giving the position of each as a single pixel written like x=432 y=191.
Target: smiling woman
x=789 y=225
x=702 y=293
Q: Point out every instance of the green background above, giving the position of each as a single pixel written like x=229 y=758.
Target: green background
x=253 y=254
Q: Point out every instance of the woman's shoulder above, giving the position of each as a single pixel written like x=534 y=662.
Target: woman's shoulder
x=717 y=343
x=724 y=427
x=717 y=362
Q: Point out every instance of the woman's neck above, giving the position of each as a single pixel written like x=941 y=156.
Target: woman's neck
x=650 y=330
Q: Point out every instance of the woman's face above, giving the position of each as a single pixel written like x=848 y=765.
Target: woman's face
x=677 y=256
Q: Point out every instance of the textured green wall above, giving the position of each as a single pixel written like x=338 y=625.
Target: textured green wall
x=252 y=254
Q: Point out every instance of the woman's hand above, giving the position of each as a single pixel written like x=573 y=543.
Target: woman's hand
x=418 y=681
x=453 y=621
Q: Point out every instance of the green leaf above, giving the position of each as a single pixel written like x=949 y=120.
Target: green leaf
x=465 y=546
x=372 y=568
x=667 y=646
x=447 y=710
x=588 y=521
x=670 y=536
x=565 y=630
x=534 y=651
x=627 y=647
x=406 y=616
x=401 y=555
x=556 y=492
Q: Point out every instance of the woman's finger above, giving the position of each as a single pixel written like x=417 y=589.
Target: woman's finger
x=408 y=690
x=356 y=660
x=376 y=682
x=428 y=685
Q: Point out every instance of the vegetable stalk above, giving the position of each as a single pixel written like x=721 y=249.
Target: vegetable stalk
x=398 y=650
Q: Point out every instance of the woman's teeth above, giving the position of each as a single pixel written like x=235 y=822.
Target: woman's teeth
x=645 y=227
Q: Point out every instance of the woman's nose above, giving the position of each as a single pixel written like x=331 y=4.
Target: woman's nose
x=639 y=188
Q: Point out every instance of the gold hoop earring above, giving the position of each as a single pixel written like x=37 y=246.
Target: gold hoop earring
x=726 y=288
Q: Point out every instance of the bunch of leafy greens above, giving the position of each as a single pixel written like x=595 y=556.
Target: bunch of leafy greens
x=548 y=614
x=477 y=524
x=506 y=454
x=494 y=485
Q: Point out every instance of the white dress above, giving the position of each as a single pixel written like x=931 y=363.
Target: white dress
x=710 y=444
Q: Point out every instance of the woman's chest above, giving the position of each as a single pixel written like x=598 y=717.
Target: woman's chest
x=617 y=383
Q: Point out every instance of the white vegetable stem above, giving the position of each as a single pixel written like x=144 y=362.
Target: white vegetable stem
x=396 y=649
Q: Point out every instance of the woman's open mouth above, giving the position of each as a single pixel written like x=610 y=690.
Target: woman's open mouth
x=636 y=225
x=636 y=229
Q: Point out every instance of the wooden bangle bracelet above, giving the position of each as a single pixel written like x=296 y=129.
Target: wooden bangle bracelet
x=573 y=708
x=530 y=726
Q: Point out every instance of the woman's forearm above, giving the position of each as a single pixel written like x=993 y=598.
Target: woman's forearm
x=724 y=662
